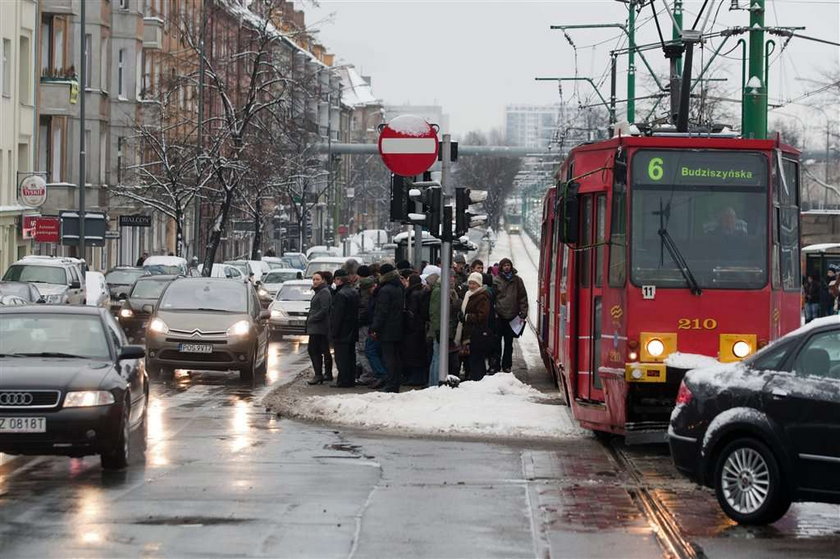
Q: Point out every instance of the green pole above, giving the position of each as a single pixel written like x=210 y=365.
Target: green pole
x=631 y=62
x=755 y=92
x=677 y=30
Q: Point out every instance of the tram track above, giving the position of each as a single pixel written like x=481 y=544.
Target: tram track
x=674 y=544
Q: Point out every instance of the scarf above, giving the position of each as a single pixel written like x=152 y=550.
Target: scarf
x=459 y=331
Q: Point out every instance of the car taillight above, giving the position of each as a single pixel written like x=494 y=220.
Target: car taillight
x=684 y=395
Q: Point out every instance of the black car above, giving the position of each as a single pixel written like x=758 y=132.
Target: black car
x=28 y=292
x=70 y=384
x=765 y=432
x=120 y=280
x=132 y=316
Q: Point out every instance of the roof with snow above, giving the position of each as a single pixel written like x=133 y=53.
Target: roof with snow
x=355 y=90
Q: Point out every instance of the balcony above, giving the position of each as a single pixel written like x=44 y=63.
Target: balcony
x=57 y=6
x=58 y=96
x=152 y=33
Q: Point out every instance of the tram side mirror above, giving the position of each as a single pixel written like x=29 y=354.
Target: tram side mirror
x=567 y=214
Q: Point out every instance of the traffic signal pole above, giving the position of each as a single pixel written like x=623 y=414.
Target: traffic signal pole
x=631 y=63
x=82 y=154
x=755 y=92
x=445 y=258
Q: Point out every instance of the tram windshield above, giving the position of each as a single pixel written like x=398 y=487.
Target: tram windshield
x=711 y=207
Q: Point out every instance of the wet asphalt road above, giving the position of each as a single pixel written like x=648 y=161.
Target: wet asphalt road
x=221 y=477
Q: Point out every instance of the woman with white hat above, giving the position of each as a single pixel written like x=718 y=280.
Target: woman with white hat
x=474 y=333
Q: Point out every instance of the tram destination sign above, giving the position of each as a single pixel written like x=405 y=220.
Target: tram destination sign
x=699 y=168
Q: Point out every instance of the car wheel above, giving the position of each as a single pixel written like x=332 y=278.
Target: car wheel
x=246 y=374
x=261 y=370
x=116 y=458
x=748 y=483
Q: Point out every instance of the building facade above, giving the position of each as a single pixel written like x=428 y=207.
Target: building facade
x=531 y=126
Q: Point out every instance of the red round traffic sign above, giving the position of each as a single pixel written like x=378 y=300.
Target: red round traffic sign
x=408 y=145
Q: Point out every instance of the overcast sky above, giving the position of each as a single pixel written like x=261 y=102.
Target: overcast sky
x=474 y=57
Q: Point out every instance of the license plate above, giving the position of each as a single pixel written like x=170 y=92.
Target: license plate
x=23 y=424
x=195 y=348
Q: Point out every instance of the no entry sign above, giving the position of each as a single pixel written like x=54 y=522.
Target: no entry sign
x=408 y=145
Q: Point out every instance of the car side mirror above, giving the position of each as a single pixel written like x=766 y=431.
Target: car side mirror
x=75 y=285
x=122 y=297
x=132 y=352
x=41 y=300
x=265 y=314
x=148 y=309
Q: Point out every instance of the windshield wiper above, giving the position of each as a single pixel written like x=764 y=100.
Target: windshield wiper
x=52 y=354
x=673 y=250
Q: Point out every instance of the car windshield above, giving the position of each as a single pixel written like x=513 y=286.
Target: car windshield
x=320 y=254
x=710 y=208
x=295 y=293
x=148 y=289
x=313 y=267
x=296 y=260
x=209 y=295
x=279 y=277
x=37 y=274
x=282 y=263
x=53 y=335
x=123 y=277
x=241 y=266
x=163 y=270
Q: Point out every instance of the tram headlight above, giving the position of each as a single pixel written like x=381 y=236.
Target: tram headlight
x=655 y=347
x=741 y=349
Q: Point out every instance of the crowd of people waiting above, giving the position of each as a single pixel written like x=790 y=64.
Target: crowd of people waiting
x=383 y=323
x=821 y=297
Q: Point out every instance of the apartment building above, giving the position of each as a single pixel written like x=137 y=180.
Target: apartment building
x=531 y=126
x=18 y=36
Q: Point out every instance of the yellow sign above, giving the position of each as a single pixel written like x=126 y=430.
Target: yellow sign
x=74 y=92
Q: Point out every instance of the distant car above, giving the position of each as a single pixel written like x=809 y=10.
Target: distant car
x=298 y=260
x=208 y=324
x=272 y=281
x=134 y=314
x=766 y=431
x=327 y=264
x=97 y=293
x=60 y=280
x=71 y=385
x=290 y=307
x=322 y=251
x=223 y=271
x=27 y=292
x=247 y=267
x=120 y=280
x=166 y=266
x=280 y=262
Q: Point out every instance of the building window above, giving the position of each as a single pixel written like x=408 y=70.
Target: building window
x=88 y=165
x=120 y=144
x=121 y=74
x=103 y=154
x=50 y=147
x=104 y=67
x=124 y=4
x=24 y=72
x=138 y=75
x=6 y=62
x=88 y=59
x=52 y=46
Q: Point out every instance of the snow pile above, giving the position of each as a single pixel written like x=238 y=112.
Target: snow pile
x=410 y=125
x=690 y=361
x=499 y=405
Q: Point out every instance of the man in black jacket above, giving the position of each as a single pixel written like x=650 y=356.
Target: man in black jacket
x=387 y=325
x=344 y=323
x=318 y=328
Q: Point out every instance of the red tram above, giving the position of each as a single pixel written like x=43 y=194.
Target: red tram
x=657 y=250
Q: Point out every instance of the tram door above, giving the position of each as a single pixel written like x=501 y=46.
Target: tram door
x=590 y=281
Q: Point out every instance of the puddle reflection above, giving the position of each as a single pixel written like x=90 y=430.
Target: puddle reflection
x=157 y=444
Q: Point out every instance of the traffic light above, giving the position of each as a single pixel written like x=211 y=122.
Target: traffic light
x=399 y=199
x=464 y=219
x=428 y=194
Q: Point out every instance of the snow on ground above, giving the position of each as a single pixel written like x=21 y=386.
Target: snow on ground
x=500 y=405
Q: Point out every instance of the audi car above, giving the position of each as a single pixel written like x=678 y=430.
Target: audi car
x=765 y=432
x=210 y=324
x=70 y=384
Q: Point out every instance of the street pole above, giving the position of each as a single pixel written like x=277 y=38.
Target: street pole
x=445 y=258
x=418 y=234
x=82 y=154
x=755 y=92
x=631 y=62
x=200 y=140
x=676 y=34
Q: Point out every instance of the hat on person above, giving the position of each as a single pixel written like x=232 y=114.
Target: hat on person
x=363 y=271
x=414 y=279
x=403 y=265
x=459 y=259
x=385 y=268
x=476 y=277
x=431 y=269
x=340 y=273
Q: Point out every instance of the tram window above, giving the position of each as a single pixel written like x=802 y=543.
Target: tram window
x=600 y=238
x=586 y=241
x=789 y=247
x=618 y=236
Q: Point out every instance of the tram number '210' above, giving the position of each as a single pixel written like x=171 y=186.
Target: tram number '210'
x=696 y=324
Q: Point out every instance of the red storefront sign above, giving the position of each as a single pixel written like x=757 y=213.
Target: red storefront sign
x=47 y=230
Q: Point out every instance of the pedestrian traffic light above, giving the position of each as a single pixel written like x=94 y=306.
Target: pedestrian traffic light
x=464 y=218
x=427 y=193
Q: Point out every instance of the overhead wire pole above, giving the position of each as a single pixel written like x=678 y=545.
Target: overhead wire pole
x=82 y=154
x=631 y=62
x=755 y=92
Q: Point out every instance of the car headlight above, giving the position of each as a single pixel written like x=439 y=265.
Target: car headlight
x=741 y=349
x=88 y=398
x=278 y=313
x=655 y=347
x=159 y=326
x=241 y=328
x=126 y=313
x=263 y=293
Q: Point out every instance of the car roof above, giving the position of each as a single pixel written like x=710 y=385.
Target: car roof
x=160 y=277
x=287 y=270
x=44 y=261
x=55 y=309
x=297 y=282
x=125 y=268
x=332 y=259
x=220 y=281
x=165 y=260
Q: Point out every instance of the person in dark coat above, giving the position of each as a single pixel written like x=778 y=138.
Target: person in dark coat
x=344 y=326
x=511 y=301
x=318 y=329
x=387 y=325
x=414 y=355
x=474 y=323
x=142 y=259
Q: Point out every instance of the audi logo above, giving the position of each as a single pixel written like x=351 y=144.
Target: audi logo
x=15 y=398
